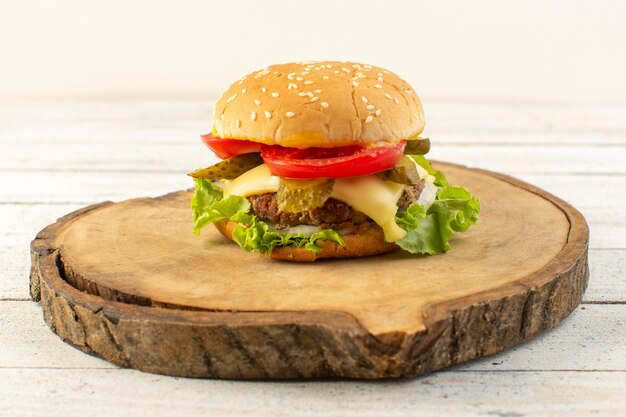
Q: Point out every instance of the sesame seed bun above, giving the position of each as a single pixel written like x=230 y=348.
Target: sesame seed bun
x=366 y=243
x=319 y=104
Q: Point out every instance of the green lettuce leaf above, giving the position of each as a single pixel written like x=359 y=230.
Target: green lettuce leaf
x=428 y=231
x=409 y=220
x=326 y=234
x=440 y=179
x=209 y=206
x=258 y=236
x=454 y=210
x=205 y=194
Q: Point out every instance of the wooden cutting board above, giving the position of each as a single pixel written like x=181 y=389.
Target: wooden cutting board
x=131 y=283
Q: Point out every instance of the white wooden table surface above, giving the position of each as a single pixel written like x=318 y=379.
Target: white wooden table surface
x=56 y=157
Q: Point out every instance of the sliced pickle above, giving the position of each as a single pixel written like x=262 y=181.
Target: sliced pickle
x=295 y=196
x=417 y=146
x=230 y=168
x=405 y=172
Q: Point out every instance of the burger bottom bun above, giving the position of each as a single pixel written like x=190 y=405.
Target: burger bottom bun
x=367 y=243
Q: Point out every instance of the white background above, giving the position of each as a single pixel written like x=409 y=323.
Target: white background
x=526 y=51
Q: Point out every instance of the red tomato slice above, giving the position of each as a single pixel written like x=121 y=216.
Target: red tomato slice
x=227 y=148
x=341 y=162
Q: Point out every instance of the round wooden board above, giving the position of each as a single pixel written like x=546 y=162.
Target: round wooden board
x=130 y=282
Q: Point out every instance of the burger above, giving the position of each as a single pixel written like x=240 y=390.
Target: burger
x=324 y=159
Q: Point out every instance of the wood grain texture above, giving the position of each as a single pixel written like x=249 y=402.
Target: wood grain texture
x=280 y=341
x=134 y=250
x=114 y=392
x=525 y=380
x=20 y=222
x=582 y=191
x=166 y=121
x=189 y=153
x=590 y=339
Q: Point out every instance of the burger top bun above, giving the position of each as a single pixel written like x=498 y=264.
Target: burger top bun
x=319 y=104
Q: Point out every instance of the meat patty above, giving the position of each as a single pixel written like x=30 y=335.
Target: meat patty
x=410 y=194
x=334 y=214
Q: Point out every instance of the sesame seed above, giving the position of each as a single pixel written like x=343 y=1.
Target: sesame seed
x=305 y=72
x=316 y=68
x=263 y=89
x=329 y=66
x=377 y=112
x=395 y=99
x=253 y=116
x=336 y=71
x=314 y=99
x=346 y=70
x=231 y=98
x=257 y=102
x=318 y=91
x=290 y=114
x=302 y=93
x=275 y=94
x=378 y=86
x=324 y=104
x=363 y=99
x=368 y=119
x=222 y=116
x=380 y=79
x=299 y=78
x=370 y=107
x=268 y=115
x=310 y=94
x=308 y=82
x=326 y=77
x=409 y=92
x=354 y=83
x=244 y=91
x=388 y=96
x=292 y=85
x=380 y=74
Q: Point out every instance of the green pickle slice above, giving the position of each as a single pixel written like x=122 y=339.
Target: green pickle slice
x=417 y=146
x=295 y=196
x=404 y=172
x=230 y=168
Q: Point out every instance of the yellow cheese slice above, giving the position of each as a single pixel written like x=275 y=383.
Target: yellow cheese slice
x=370 y=195
x=256 y=181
